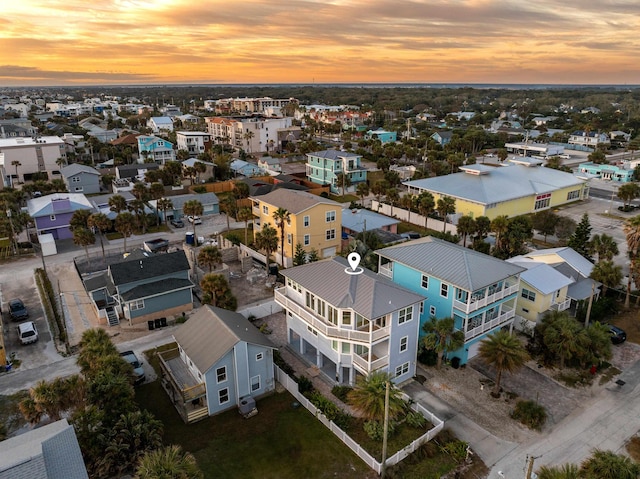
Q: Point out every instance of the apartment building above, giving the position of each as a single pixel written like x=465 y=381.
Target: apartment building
x=253 y=135
x=21 y=157
x=350 y=325
x=195 y=142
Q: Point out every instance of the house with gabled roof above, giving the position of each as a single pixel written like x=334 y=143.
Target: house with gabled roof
x=148 y=286
x=477 y=290
x=349 y=325
x=154 y=149
x=325 y=168
x=48 y=452
x=159 y=124
x=52 y=213
x=222 y=362
x=81 y=178
x=314 y=222
x=442 y=138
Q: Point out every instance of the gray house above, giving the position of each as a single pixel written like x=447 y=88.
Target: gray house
x=210 y=205
x=81 y=179
x=348 y=323
x=222 y=362
x=48 y=452
x=147 y=286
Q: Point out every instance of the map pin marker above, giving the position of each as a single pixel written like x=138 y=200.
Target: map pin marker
x=354 y=260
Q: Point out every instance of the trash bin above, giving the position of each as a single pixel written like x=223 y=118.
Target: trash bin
x=163 y=322
x=150 y=323
x=455 y=362
x=189 y=238
x=157 y=323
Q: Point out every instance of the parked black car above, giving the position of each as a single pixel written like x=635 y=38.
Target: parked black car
x=18 y=310
x=617 y=335
x=177 y=223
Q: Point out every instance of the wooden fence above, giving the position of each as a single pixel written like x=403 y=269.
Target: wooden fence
x=291 y=386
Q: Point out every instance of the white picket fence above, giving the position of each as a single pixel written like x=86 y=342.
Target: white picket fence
x=291 y=386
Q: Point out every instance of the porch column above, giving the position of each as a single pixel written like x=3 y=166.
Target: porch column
x=352 y=379
x=303 y=347
x=338 y=373
x=319 y=359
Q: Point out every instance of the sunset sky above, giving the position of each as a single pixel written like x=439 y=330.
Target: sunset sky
x=55 y=42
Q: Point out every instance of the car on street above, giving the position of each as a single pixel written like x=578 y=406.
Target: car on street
x=177 y=223
x=195 y=220
x=17 y=310
x=618 y=335
x=138 y=372
x=27 y=332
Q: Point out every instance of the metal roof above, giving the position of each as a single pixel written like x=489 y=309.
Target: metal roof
x=368 y=293
x=567 y=255
x=359 y=219
x=541 y=276
x=462 y=267
x=57 y=203
x=333 y=154
x=504 y=183
x=75 y=168
x=294 y=201
x=211 y=332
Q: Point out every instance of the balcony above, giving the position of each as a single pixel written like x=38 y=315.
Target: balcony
x=188 y=395
x=386 y=270
x=327 y=329
x=561 y=306
x=478 y=303
x=488 y=325
x=366 y=367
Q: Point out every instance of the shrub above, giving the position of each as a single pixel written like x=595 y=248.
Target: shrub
x=415 y=419
x=530 y=413
x=341 y=392
x=329 y=409
x=456 y=449
x=304 y=384
x=282 y=364
x=200 y=189
x=234 y=238
x=428 y=357
x=375 y=429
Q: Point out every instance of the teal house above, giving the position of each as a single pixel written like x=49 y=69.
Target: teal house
x=325 y=167
x=381 y=134
x=477 y=290
x=606 y=172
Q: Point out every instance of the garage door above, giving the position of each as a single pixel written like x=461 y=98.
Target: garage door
x=329 y=252
x=473 y=350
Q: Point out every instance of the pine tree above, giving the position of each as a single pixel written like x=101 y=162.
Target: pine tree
x=581 y=237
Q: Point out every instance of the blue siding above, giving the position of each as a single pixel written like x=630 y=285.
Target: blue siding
x=160 y=303
x=214 y=388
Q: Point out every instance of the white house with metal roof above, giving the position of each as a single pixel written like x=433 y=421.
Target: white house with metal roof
x=350 y=324
x=358 y=220
x=477 y=290
x=522 y=187
x=222 y=361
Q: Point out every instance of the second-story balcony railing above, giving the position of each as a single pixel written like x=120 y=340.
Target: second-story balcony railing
x=477 y=303
x=329 y=330
x=561 y=306
x=489 y=324
x=362 y=362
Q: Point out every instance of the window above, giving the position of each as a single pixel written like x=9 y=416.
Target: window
x=255 y=383
x=78 y=188
x=312 y=331
x=425 y=281
x=331 y=234
x=136 y=305
x=421 y=308
x=223 y=396
x=305 y=221
x=346 y=348
x=330 y=216
x=444 y=290
x=334 y=345
x=404 y=344
x=307 y=240
x=259 y=356
x=75 y=179
x=542 y=201
x=405 y=314
x=432 y=311
x=573 y=195
x=52 y=217
x=402 y=369
x=530 y=295
x=221 y=374
x=333 y=315
x=265 y=209
x=289 y=238
x=346 y=318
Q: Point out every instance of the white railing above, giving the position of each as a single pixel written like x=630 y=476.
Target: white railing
x=386 y=271
x=370 y=366
x=561 y=306
x=489 y=325
x=291 y=386
x=476 y=304
x=327 y=329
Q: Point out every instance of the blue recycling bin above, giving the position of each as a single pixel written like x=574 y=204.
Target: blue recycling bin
x=190 y=238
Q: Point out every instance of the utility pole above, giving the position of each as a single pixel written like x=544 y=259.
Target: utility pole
x=593 y=290
x=529 y=468
x=385 y=432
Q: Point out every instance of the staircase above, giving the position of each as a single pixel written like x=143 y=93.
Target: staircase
x=112 y=317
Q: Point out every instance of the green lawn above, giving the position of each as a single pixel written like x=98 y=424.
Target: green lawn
x=281 y=442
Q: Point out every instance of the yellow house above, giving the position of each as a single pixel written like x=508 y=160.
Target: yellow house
x=314 y=222
x=520 y=187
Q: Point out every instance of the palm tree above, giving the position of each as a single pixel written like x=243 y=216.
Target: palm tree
x=16 y=163
x=441 y=336
x=343 y=180
x=216 y=286
x=281 y=216
x=604 y=246
x=362 y=190
x=466 y=226
x=101 y=223
x=504 y=352
x=607 y=273
x=156 y=192
x=248 y=135
x=561 y=335
x=83 y=237
x=379 y=188
x=193 y=208
x=245 y=214
x=609 y=465
x=445 y=206
x=426 y=205
x=500 y=226
x=58 y=185
x=79 y=219
x=632 y=231
x=267 y=240
x=392 y=197
x=229 y=204
x=170 y=462
x=408 y=202
x=209 y=256
x=566 y=471
x=200 y=168
x=94 y=344
x=368 y=397
x=117 y=204
x=165 y=204
x=124 y=226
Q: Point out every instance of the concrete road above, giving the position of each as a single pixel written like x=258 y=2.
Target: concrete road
x=606 y=421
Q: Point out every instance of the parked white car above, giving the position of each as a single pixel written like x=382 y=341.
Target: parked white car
x=27 y=332
x=194 y=219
